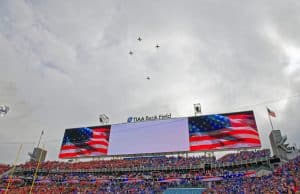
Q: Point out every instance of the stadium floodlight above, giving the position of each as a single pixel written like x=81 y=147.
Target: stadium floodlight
x=3 y=110
x=103 y=119
x=197 y=109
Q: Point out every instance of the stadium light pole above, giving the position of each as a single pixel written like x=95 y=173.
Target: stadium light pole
x=42 y=133
x=197 y=109
x=103 y=119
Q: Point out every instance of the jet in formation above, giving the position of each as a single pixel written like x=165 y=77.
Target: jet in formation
x=3 y=110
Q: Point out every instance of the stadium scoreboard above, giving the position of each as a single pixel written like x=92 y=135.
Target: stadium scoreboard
x=187 y=134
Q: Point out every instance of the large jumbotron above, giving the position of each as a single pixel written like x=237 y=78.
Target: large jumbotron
x=189 y=134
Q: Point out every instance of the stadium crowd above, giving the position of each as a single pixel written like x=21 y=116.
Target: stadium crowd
x=141 y=162
x=146 y=162
x=244 y=155
x=283 y=179
x=4 y=168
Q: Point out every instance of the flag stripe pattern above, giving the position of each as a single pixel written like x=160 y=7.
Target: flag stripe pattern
x=219 y=131
x=83 y=142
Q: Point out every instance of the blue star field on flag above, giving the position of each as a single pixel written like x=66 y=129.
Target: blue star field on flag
x=207 y=123
x=78 y=136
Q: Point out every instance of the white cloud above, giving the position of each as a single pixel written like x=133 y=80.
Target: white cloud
x=67 y=62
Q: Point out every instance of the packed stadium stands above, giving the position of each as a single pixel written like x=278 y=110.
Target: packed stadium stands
x=284 y=179
x=4 y=168
x=156 y=174
x=245 y=155
x=142 y=163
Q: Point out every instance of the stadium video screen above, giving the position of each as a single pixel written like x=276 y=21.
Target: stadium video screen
x=199 y=133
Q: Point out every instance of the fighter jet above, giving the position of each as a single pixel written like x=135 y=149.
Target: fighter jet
x=157 y=46
x=148 y=78
x=3 y=110
x=130 y=52
x=139 y=39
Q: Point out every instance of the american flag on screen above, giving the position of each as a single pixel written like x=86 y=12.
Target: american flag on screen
x=234 y=130
x=84 y=142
